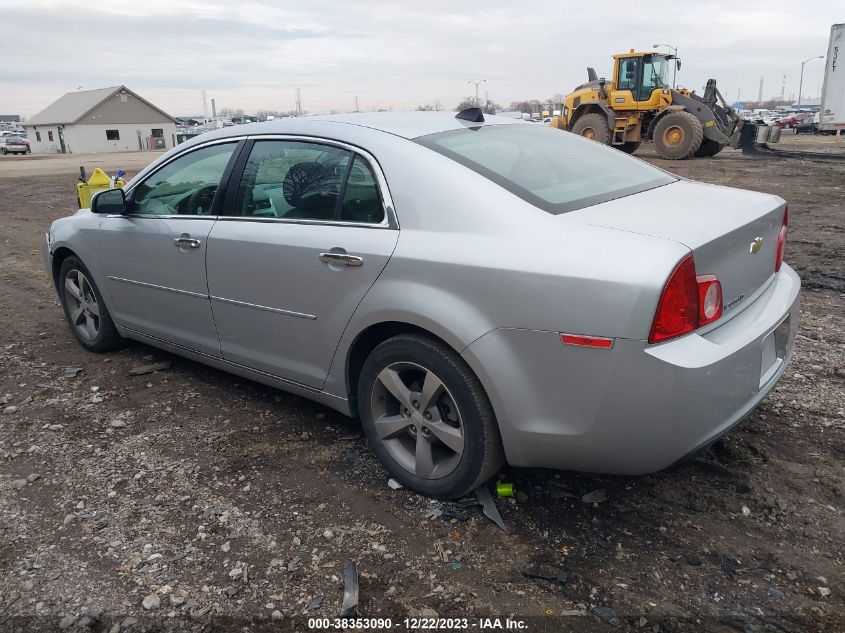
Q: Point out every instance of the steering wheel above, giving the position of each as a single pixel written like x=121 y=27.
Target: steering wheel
x=199 y=202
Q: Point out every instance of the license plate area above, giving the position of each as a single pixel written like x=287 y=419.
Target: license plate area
x=773 y=351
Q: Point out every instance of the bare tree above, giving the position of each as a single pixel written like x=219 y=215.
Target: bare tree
x=231 y=113
x=466 y=102
x=491 y=107
x=530 y=105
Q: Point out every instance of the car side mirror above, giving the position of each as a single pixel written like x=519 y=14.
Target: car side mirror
x=109 y=201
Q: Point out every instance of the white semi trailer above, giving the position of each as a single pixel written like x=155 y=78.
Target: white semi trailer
x=832 y=111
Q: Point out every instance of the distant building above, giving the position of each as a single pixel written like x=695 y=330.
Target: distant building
x=106 y=120
x=10 y=118
x=807 y=104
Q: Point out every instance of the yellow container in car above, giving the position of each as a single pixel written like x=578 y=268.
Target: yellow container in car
x=98 y=181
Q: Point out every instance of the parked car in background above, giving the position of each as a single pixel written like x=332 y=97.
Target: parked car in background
x=475 y=290
x=810 y=124
x=791 y=120
x=14 y=145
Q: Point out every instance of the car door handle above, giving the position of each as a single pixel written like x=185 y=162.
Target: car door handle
x=190 y=242
x=341 y=258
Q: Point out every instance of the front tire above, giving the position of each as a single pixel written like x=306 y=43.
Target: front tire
x=678 y=135
x=593 y=127
x=428 y=418
x=84 y=308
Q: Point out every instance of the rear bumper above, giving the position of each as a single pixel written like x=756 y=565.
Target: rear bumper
x=636 y=408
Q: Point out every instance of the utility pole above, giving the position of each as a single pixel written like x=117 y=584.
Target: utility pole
x=356 y=104
x=801 y=83
x=760 y=94
x=476 y=84
x=298 y=102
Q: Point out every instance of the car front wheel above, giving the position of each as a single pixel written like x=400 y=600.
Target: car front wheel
x=428 y=418
x=84 y=308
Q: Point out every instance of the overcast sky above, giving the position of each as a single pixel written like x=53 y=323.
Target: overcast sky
x=255 y=53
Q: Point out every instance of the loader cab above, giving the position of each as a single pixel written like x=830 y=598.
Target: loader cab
x=636 y=78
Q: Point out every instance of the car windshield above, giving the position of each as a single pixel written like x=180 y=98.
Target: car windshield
x=553 y=170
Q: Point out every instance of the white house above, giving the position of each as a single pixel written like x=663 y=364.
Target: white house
x=105 y=120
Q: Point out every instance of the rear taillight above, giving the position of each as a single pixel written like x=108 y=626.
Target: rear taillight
x=677 y=311
x=687 y=302
x=782 y=239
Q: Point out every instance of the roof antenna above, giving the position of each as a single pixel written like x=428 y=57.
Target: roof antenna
x=474 y=115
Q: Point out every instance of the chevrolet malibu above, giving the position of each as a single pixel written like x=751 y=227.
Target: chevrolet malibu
x=476 y=291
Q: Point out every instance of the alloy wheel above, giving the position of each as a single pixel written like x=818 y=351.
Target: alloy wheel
x=417 y=420
x=83 y=310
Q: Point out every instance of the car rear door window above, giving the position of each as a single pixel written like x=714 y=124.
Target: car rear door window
x=361 y=198
x=292 y=180
x=186 y=186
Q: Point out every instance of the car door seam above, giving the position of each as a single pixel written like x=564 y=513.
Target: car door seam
x=355 y=311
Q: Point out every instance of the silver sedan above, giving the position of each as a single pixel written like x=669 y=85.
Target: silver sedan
x=475 y=291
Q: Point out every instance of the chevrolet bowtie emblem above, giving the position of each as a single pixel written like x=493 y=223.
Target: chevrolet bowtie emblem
x=756 y=245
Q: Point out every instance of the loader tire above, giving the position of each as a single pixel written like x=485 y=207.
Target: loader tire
x=630 y=147
x=593 y=127
x=709 y=147
x=678 y=135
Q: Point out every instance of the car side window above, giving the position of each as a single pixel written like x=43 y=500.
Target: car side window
x=361 y=198
x=186 y=186
x=292 y=180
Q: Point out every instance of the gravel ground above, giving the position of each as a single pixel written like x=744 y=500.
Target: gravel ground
x=191 y=499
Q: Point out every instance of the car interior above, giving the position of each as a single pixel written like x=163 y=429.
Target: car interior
x=283 y=180
x=277 y=187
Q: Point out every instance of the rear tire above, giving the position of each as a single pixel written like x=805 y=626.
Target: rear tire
x=630 y=147
x=678 y=135
x=428 y=418
x=709 y=147
x=593 y=127
x=84 y=308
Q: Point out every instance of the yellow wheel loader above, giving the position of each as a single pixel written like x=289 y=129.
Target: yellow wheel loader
x=639 y=105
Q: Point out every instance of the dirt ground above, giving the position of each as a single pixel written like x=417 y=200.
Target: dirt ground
x=220 y=503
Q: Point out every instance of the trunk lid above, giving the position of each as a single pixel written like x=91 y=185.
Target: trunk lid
x=732 y=233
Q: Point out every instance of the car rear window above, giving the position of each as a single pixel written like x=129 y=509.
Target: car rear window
x=553 y=170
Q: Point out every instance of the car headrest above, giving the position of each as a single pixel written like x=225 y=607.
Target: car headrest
x=303 y=186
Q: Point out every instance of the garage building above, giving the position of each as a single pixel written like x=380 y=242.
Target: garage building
x=106 y=120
